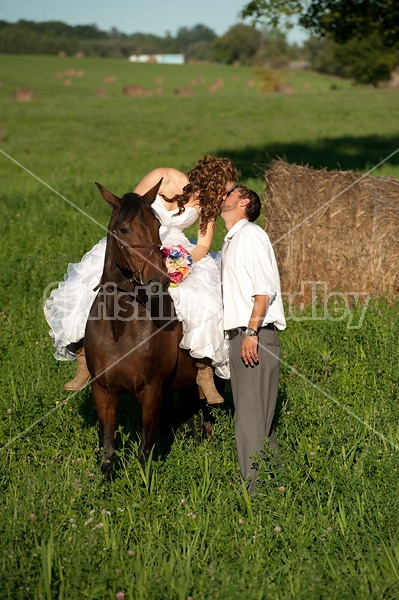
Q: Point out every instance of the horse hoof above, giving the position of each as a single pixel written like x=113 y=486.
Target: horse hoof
x=105 y=465
x=106 y=471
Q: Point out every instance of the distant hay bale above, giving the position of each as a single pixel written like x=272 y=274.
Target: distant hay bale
x=285 y=88
x=183 y=91
x=100 y=93
x=135 y=91
x=216 y=85
x=80 y=55
x=109 y=79
x=336 y=227
x=70 y=73
x=23 y=95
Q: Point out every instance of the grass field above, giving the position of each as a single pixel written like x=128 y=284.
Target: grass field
x=326 y=526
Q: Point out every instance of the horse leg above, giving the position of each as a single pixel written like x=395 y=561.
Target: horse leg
x=151 y=412
x=106 y=405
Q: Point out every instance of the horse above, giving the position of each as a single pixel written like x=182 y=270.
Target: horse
x=132 y=334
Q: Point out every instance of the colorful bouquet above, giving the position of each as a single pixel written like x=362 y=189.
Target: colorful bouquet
x=178 y=263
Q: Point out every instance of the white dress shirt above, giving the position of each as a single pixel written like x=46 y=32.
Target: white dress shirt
x=249 y=268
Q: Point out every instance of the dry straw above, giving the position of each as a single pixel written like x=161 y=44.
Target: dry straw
x=333 y=226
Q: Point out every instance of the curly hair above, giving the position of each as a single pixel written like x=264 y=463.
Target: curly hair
x=207 y=181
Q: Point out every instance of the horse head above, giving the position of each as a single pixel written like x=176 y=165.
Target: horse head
x=133 y=244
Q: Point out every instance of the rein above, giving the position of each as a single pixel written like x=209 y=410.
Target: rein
x=115 y=289
x=137 y=274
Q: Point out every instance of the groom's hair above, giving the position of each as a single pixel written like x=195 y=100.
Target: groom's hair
x=252 y=209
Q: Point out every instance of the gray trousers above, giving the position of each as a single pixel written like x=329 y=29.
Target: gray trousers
x=254 y=395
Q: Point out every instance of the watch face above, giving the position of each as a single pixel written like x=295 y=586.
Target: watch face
x=250 y=332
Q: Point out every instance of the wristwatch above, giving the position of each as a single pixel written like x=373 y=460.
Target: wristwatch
x=250 y=332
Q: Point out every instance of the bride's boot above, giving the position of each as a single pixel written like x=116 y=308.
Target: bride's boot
x=82 y=376
x=206 y=384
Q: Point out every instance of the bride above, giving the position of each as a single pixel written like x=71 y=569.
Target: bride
x=181 y=201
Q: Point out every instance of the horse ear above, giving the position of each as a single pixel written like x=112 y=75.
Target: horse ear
x=109 y=197
x=152 y=193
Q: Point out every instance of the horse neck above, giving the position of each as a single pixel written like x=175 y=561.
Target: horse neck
x=160 y=311
x=111 y=272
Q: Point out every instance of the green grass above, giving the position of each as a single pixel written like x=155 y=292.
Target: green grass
x=186 y=527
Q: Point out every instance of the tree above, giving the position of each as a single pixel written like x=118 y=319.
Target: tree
x=368 y=30
x=365 y=60
x=196 y=43
x=241 y=44
x=341 y=19
x=276 y=51
x=185 y=36
x=145 y=43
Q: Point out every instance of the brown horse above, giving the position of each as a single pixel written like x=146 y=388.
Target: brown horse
x=132 y=334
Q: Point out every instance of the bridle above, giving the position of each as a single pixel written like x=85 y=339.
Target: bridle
x=137 y=274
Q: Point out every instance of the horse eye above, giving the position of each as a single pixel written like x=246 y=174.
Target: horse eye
x=124 y=230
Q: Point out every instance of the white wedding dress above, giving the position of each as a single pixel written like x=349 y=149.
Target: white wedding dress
x=197 y=299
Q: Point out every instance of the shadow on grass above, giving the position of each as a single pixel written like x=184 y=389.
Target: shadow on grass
x=344 y=153
x=183 y=413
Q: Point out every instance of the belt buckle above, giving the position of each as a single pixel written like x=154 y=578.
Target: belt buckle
x=231 y=333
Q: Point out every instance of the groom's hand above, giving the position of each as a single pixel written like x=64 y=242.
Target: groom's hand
x=249 y=351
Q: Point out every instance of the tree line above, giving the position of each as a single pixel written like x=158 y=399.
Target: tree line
x=352 y=38
x=364 y=59
x=241 y=43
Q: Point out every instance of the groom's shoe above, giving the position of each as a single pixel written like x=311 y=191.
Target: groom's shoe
x=82 y=376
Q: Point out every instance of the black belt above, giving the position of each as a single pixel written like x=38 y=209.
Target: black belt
x=231 y=333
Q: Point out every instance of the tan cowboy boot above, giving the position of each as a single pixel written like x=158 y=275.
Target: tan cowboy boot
x=206 y=384
x=82 y=376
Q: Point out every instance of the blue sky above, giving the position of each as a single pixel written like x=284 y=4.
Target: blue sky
x=131 y=16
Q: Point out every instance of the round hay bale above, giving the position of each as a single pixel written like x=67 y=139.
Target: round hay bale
x=183 y=91
x=23 y=95
x=109 y=79
x=135 y=91
x=336 y=227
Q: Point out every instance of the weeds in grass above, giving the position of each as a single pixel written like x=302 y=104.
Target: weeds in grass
x=324 y=525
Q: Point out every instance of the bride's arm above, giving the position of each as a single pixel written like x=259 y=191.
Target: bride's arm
x=204 y=242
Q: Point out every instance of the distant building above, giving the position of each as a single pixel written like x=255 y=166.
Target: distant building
x=166 y=59
x=299 y=64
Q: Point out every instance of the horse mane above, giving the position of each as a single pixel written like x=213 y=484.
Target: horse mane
x=129 y=208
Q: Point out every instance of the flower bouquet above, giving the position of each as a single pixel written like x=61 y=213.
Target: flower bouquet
x=178 y=263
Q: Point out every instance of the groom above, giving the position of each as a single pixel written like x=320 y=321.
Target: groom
x=253 y=315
